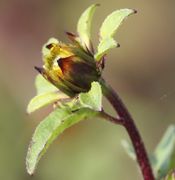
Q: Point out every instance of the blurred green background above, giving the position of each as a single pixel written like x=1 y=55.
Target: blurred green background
x=142 y=71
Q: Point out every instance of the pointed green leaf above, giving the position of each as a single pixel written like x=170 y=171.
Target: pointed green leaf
x=113 y=21
x=104 y=46
x=43 y=86
x=49 y=129
x=84 y=25
x=164 y=153
x=93 y=98
x=43 y=100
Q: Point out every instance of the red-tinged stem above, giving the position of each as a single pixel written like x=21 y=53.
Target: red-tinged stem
x=128 y=123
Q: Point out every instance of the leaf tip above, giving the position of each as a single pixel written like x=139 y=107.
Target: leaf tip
x=97 y=4
x=118 y=45
x=31 y=173
x=134 y=11
x=39 y=69
x=28 y=169
x=28 y=110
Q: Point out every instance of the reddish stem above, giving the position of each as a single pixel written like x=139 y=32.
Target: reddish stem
x=132 y=130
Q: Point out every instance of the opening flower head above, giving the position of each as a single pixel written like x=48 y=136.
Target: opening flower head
x=73 y=67
x=69 y=67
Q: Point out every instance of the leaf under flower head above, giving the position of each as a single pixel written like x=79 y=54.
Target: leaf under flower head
x=108 y=30
x=113 y=21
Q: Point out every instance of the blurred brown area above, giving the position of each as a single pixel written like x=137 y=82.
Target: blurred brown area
x=142 y=71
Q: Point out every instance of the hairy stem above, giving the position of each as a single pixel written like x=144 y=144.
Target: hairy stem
x=131 y=128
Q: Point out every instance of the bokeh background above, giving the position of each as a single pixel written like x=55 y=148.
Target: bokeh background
x=142 y=71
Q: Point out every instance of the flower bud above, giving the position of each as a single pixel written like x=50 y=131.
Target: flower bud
x=69 y=67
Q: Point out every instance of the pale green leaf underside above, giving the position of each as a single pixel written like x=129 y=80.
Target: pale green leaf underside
x=43 y=86
x=113 y=21
x=43 y=100
x=93 y=98
x=104 y=46
x=49 y=129
x=84 y=24
x=165 y=152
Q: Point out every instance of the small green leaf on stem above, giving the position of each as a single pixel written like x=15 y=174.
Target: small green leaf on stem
x=84 y=25
x=48 y=130
x=93 y=98
x=113 y=21
x=108 y=29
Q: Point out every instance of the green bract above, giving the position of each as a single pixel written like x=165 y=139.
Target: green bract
x=93 y=98
x=113 y=21
x=108 y=30
x=84 y=26
x=104 y=46
x=69 y=80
